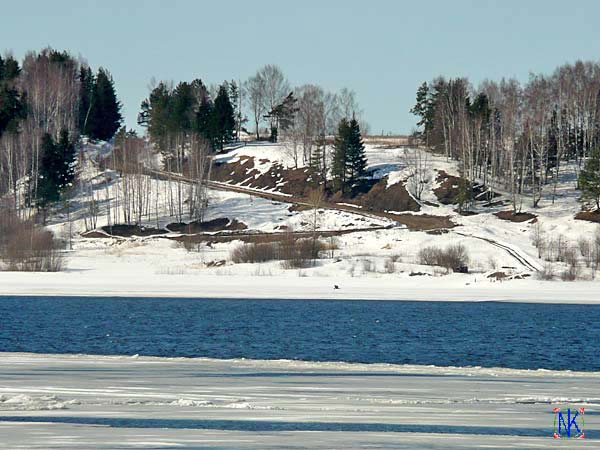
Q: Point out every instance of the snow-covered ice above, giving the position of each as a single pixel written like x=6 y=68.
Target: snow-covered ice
x=123 y=402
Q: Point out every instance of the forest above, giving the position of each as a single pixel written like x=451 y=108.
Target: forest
x=509 y=137
x=516 y=136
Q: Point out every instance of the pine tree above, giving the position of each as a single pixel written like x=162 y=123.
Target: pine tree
x=424 y=109
x=340 y=156
x=356 y=157
x=105 y=115
x=589 y=178
x=224 y=120
x=205 y=122
x=181 y=115
x=155 y=115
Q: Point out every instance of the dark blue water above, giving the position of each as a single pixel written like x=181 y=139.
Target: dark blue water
x=517 y=335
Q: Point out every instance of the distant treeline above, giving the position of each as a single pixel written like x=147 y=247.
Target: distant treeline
x=512 y=135
x=46 y=103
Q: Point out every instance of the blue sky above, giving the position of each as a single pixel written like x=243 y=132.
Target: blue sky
x=382 y=49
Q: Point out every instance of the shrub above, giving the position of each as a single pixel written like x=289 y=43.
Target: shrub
x=547 y=273
x=27 y=248
x=254 y=253
x=299 y=253
x=295 y=253
x=390 y=265
x=453 y=257
x=368 y=265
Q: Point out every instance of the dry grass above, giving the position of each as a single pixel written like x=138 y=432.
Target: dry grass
x=293 y=252
x=27 y=248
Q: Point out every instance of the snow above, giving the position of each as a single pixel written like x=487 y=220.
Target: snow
x=124 y=276
x=264 y=154
x=375 y=264
x=146 y=402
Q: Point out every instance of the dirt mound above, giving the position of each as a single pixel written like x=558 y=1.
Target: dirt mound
x=382 y=197
x=515 y=217
x=423 y=222
x=242 y=172
x=590 y=216
x=95 y=234
x=448 y=191
x=220 y=224
x=131 y=230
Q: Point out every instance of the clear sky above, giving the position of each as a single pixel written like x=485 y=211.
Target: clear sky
x=382 y=49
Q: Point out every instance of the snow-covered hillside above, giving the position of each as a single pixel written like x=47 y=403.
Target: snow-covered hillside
x=370 y=254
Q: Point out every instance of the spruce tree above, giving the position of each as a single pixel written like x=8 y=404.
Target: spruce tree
x=234 y=97
x=65 y=150
x=224 y=120
x=340 y=156
x=56 y=172
x=589 y=178
x=105 y=115
x=86 y=91
x=12 y=104
x=48 y=190
x=356 y=157
x=314 y=165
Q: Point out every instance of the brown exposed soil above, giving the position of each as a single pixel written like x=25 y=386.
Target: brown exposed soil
x=131 y=230
x=299 y=208
x=220 y=224
x=296 y=182
x=259 y=237
x=242 y=172
x=498 y=275
x=382 y=197
x=448 y=190
x=515 y=217
x=94 y=234
x=423 y=222
x=590 y=216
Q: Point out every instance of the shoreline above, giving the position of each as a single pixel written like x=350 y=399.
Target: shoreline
x=303 y=365
x=456 y=288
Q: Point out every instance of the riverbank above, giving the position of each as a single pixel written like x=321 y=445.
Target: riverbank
x=143 y=282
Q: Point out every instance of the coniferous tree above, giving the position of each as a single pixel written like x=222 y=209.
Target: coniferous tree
x=56 y=171
x=340 y=156
x=424 y=109
x=356 y=157
x=86 y=91
x=12 y=104
x=236 y=104
x=224 y=120
x=282 y=115
x=155 y=115
x=66 y=154
x=317 y=164
x=205 y=122
x=589 y=178
x=48 y=190
x=105 y=115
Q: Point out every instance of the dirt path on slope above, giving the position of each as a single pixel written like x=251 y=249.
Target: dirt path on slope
x=415 y=222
